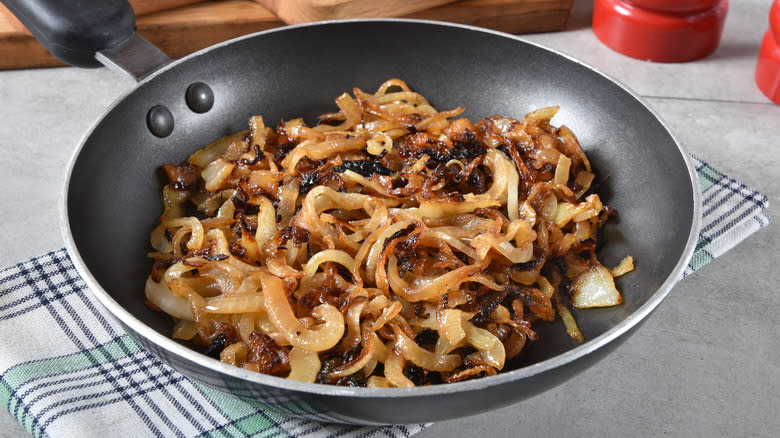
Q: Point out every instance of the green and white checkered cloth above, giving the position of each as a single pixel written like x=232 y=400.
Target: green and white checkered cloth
x=80 y=375
x=731 y=212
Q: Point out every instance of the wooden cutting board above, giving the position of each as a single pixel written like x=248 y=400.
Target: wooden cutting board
x=180 y=27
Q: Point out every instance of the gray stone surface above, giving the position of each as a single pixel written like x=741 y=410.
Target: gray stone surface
x=706 y=363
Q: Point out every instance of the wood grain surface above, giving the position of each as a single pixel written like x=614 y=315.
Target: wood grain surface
x=180 y=27
x=304 y=11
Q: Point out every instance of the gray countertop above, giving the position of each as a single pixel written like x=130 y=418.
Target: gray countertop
x=706 y=363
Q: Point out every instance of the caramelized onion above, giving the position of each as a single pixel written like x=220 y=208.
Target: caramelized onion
x=321 y=338
x=304 y=365
x=391 y=244
x=422 y=357
x=159 y=294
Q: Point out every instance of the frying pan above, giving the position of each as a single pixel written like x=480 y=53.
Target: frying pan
x=112 y=197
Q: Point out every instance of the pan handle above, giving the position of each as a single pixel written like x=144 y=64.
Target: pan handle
x=90 y=33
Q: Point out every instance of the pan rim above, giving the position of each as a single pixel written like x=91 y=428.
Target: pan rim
x=171 y=346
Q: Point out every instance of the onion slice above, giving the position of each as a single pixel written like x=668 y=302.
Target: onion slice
x=320 y=338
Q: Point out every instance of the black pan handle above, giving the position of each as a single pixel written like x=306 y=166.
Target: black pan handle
x=75 y=30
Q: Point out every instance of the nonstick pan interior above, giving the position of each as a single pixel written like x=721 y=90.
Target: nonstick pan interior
x=113 y=198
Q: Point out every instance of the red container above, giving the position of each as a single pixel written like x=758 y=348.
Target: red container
x=675 y=6
x=660 y=30
x=768 y=66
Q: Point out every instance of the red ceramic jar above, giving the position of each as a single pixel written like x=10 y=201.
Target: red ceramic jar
x=660 y=30
x=768 y=66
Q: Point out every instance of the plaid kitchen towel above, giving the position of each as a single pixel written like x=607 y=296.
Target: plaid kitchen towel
x=69 y=370
x=731 y=211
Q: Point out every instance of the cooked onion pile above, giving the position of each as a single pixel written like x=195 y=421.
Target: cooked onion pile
x=386 y=246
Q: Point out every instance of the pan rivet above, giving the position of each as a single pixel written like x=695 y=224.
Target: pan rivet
x=160 y=121
x=199 y=97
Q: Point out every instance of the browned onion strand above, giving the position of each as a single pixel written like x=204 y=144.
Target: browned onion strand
x=386 y=246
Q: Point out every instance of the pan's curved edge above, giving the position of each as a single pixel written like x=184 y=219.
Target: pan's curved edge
x=589 y=347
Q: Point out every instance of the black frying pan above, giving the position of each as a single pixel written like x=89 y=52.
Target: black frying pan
x=113 y=195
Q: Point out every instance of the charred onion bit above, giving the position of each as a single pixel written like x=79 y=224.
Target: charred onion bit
x=364 y=168
x=391 y=244
x=216 y=346
x=308 y=180
x=226 y=336
x=267 y=356
x=182 y=176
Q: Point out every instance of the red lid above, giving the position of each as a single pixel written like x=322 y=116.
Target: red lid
x=675 y=6
x=664 y=33
x=768 y=65
x=774 y=19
